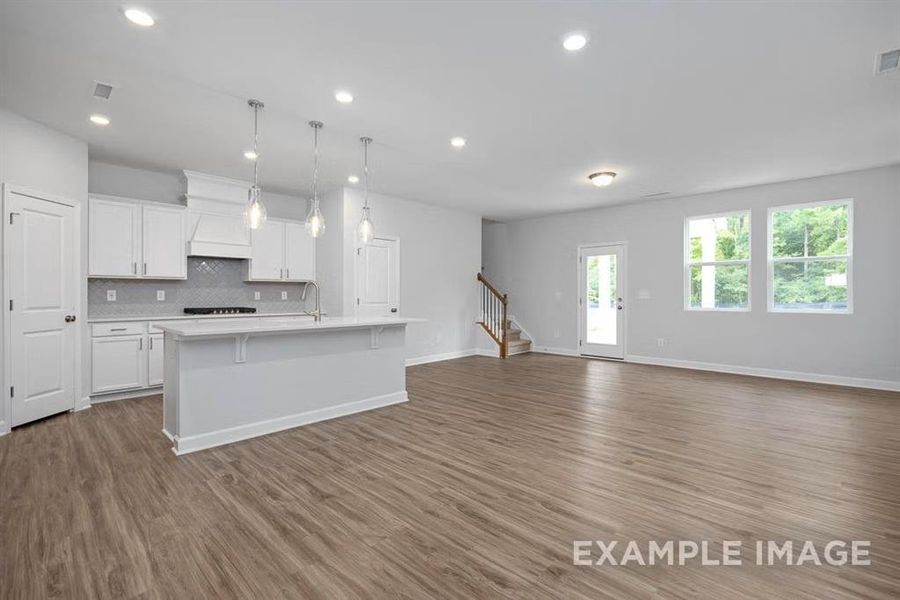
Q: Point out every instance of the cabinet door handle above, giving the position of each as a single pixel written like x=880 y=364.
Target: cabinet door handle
x=140 y=343
x=145 y=268
x=134 y=268
x=118 y=329
x=280 y=273
x=288 y=276
x=151 y=343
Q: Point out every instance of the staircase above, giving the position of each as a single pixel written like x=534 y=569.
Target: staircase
x=496 y=322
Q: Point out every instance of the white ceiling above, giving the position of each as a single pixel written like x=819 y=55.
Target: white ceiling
x=679 y=97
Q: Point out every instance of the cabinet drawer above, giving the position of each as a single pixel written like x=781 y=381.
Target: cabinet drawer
x=108 y=329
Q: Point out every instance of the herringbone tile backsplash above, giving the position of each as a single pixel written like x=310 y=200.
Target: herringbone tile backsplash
x=210 y=282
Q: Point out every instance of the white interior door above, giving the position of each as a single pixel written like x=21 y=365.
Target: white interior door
x=601 y=299
x=42 y=288
x=378 y=278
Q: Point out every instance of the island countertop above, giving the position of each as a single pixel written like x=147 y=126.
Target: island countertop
x=276 y=324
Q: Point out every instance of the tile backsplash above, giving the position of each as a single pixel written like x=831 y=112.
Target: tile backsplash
x=210 y=282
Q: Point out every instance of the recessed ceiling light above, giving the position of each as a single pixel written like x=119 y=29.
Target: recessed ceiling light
x=100 y=120
x=574 y=41
x=343 y=96
x=353 y=179
x=139 y=17
x=458 y=142
x=251 y=155
x=602 y=179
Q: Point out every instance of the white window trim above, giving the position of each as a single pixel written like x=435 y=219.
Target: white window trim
x=688 y=263
x=771 y=260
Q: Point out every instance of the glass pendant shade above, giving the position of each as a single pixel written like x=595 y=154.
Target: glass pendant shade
x=366 y=229
x=315 y=222
x=255 y=214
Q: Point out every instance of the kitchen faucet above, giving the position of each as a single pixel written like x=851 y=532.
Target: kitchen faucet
x=315 y=314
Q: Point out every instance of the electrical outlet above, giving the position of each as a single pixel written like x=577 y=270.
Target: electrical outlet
x=160 y=295
x=284 y=295
x=661 y=342
x=110 y=295
x=256 y=295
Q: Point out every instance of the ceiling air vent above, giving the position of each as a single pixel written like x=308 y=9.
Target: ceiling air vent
x=888 y=61
x=102 y=90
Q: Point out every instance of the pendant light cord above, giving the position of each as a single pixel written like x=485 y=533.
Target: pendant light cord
x=366 y=170
x=316 y=167
x=256 y=145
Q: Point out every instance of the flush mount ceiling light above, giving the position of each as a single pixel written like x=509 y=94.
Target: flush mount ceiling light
x=458 y=142
x=255 y=214
x=139 y=17
x=251 y=155
x=602 y=178
x=101 y=120
x=353 y=179
x=343 y=96
x=574 y=41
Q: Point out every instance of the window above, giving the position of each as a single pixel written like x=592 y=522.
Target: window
x=717 y=262
x=811 y=257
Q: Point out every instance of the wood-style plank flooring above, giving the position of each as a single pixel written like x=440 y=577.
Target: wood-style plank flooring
x=476 y=488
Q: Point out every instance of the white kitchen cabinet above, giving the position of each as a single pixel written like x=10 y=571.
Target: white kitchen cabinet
x=282 y=251
x=155 y=359
x=118 y=363
x=267 y=252
x=299 y=253
x=135 y=240
x=162 y=241
x=115 y=238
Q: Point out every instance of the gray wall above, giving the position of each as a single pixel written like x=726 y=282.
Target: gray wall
x=536 y=259
x=440 y=254
x=39 y=158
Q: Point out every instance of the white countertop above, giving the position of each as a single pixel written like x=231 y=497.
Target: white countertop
x=277 y=324
x=183 y=316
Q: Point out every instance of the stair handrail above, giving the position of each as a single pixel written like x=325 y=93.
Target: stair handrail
x=490 y=312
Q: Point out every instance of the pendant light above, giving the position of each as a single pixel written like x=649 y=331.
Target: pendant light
x=315 y=222
x=255 y=213
x=366 y=229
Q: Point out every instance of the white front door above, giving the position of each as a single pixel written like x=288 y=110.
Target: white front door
x=378 y=278
x=43 y=282
x=601 y=299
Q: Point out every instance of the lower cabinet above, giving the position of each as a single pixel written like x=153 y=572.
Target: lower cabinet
x=155 y=359
x=125 y=356
x=118 y=363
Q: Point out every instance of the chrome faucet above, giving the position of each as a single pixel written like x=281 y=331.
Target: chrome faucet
x=315 y=314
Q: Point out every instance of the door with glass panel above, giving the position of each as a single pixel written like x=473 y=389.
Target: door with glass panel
x=601 y=301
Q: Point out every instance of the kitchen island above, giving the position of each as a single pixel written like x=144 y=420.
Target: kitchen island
x=234 y=380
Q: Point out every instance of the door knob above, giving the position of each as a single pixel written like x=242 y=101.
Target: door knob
x=70 y=318
x=393 y=310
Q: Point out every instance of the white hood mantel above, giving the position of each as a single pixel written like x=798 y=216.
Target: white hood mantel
x=216 y=216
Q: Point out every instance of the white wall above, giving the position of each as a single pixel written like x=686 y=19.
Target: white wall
x=39 y=158
x=440 y=254
x=162 y=186
x=542 y=280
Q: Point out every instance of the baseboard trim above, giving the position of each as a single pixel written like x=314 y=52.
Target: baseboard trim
x=858 y=382
x=422 y=360
x=168 y=435
x=127 y=395
x=186 y=445
x=557 y=351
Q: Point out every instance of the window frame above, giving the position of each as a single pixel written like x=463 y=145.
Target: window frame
x=688 y=263
x=771 y=260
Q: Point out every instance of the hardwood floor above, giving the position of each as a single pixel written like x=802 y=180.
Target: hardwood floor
x=476 y=488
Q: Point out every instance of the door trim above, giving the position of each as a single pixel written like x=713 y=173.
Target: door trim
x=7 y=190
x=358 y=247
x=580 y=316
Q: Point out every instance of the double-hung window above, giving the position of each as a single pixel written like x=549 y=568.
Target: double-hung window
x=717 y=262
x=811 y=257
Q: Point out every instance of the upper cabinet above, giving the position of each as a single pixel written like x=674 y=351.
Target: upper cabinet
x=136 y=240
x=281 y=251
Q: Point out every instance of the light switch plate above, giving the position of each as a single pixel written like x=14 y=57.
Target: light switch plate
x=110 y=295
x=160 y=295
x=256 y=295
x=284 y=295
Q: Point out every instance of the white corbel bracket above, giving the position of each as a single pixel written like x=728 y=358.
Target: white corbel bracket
x=240 y=348
x=375 y=332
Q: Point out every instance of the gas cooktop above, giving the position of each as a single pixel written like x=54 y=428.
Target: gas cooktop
x=219 y=310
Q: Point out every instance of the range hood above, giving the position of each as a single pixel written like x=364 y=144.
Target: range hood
x=215 y=207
